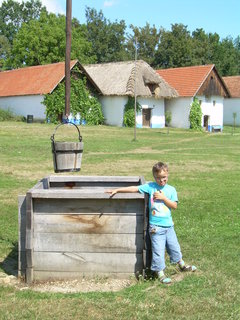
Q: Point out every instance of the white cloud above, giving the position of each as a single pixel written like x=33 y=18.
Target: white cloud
x=51 y=5
x=109 y=3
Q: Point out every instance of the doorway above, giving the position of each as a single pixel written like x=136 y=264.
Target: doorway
x=146 y=117
x=205 y=122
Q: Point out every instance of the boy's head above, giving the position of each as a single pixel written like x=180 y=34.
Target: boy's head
x=160 y=173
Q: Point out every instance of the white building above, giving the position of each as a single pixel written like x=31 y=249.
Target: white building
x=202 y=82
x=120 y=80
x=231 y=110
x=22 y=90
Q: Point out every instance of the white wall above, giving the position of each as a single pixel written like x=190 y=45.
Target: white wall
x=231 y=105
x=179 y=108
x=24 y=105
x=157 y=114
x=113 y=109
x=213 y=107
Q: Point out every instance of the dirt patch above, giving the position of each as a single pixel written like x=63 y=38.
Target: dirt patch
x=79 y=285
x=70 y=286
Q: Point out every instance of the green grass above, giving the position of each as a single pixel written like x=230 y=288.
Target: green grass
x=204 y=168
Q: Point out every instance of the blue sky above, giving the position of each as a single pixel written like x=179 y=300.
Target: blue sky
x=220 y=16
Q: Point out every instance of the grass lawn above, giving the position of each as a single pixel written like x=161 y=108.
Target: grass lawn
x=204 y=168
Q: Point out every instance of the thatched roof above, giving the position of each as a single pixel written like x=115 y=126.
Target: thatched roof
x=118 y=79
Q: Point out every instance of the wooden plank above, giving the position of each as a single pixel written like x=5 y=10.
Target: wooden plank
x=85 y=206
x=54 y=178
x=93 y=181
x=74 y=223
x=85 y=262
x=61 y=275
x=21 y=235
x=61 y=242
x=79 y=194
x=29 y=238
x=95 y=184
x=45 y=183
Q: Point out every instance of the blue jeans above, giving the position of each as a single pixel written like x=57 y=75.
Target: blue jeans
x=162 y=238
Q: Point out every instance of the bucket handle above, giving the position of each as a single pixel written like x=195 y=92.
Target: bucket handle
x=61 y=124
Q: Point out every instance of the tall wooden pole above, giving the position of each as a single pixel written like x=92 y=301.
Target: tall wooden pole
x=135 y=94
x=68 y=57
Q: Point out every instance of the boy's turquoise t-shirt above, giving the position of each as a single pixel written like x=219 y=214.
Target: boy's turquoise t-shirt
x=159 y=213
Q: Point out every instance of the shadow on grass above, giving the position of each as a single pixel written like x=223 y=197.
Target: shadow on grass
x=10 y=264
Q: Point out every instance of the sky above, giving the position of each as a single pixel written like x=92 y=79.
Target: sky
x=220 y=16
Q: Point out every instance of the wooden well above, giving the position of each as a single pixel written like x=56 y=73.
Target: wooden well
x=70 y=228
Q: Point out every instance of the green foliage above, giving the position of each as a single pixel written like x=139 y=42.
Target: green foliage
x=107 y=38
x=43 y=41
x=81 y=102
x=129 y=118
x=29 y=35
x=174 y=48
x=7 y=115
x=168 y=117
x=195 y=116
x=129 y=112
x=147 y=41
x=13 y=14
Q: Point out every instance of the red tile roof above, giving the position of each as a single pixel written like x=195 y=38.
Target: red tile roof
x=186 y=80
x=32 y=80
x=233 y=84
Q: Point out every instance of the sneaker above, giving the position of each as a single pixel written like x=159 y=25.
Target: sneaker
x=186 y=268
x=163 y=279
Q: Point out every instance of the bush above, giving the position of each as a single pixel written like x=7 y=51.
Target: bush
x=129 y=113
x=168 y=118
x=195 y=116
x=129 y=118
x=7 y=115
x=81 y=102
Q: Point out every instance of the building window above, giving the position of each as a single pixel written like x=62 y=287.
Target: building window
x=152 y=88
x=208 y=99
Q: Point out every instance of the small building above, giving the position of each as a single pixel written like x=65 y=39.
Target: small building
x=119 y=80
x=202 y=82
x=22 y=90
x=231 y=110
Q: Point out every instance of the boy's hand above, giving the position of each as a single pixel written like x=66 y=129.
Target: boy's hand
x=112 y=192
x=158 y=195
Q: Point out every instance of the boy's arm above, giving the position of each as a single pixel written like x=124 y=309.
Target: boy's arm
x=130 y=189
x=161 y=196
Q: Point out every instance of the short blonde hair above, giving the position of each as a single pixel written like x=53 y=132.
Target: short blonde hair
x=158 y=167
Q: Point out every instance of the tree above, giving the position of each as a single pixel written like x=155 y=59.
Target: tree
x=147 y=40
x=200 y=47
x=108 y=39
x=43 y=41
x=13 y=14
x=228 y=61
x=174 y=48
x=4 y=50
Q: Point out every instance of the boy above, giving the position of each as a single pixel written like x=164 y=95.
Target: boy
x=162 y=199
